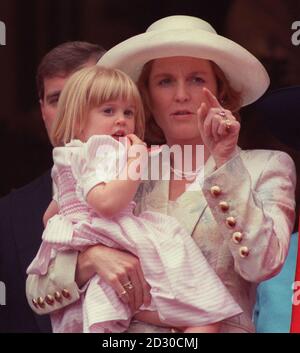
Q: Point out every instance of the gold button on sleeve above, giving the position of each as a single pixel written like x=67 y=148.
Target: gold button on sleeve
x=49 y=299
x=66 y=293
x=57 y=296
x=35 y=303
x=224 y=206
x=237 y=237
x=41 y=302
x=215 y=190
x=244 y=251
x=230 y=222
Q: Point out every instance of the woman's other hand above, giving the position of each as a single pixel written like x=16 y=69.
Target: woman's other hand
x=117 y=268
x=219 y=129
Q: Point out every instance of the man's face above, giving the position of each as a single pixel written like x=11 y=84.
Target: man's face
x=52 y=89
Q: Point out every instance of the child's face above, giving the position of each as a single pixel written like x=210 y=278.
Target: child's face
x=115 y=118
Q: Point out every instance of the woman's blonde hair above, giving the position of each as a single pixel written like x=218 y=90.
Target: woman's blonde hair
x=86 y=89
x=227 y=96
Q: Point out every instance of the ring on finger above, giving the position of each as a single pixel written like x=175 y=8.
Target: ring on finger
x=128 y=286
x=228 y=124
x=222 y=114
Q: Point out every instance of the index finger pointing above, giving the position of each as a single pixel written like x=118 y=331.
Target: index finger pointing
x=212 y=100
x=202 y=113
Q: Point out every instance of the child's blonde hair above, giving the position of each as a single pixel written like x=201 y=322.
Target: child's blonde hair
x=86 y=89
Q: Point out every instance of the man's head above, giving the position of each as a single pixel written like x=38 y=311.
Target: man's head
x=56 y=67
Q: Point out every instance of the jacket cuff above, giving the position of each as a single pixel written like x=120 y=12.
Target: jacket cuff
x=57 y=288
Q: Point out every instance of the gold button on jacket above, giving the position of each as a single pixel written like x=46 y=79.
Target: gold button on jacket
x=41 y=302
x=237 y=237
x=231 y=222
x=244 y=251
x=224 y=206
x=57 y=296
x=215 y=190
x=66 y=293
x=49 y=299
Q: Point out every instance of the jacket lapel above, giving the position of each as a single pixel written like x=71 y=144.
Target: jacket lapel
x=157 y=196
x=193 y=203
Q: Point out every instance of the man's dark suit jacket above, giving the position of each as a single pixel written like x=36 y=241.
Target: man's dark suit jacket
x=21 y=229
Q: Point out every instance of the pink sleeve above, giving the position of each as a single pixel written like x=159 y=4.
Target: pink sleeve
x=54 y=184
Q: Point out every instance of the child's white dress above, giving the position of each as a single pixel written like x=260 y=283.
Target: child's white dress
x=184 y=288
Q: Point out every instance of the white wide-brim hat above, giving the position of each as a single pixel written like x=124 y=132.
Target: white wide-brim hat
x=193 y=37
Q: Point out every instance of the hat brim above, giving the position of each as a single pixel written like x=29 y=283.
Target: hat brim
x=279 y=110
x=244 y=72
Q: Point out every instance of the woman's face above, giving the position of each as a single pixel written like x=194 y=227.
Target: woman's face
x=175 y=95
